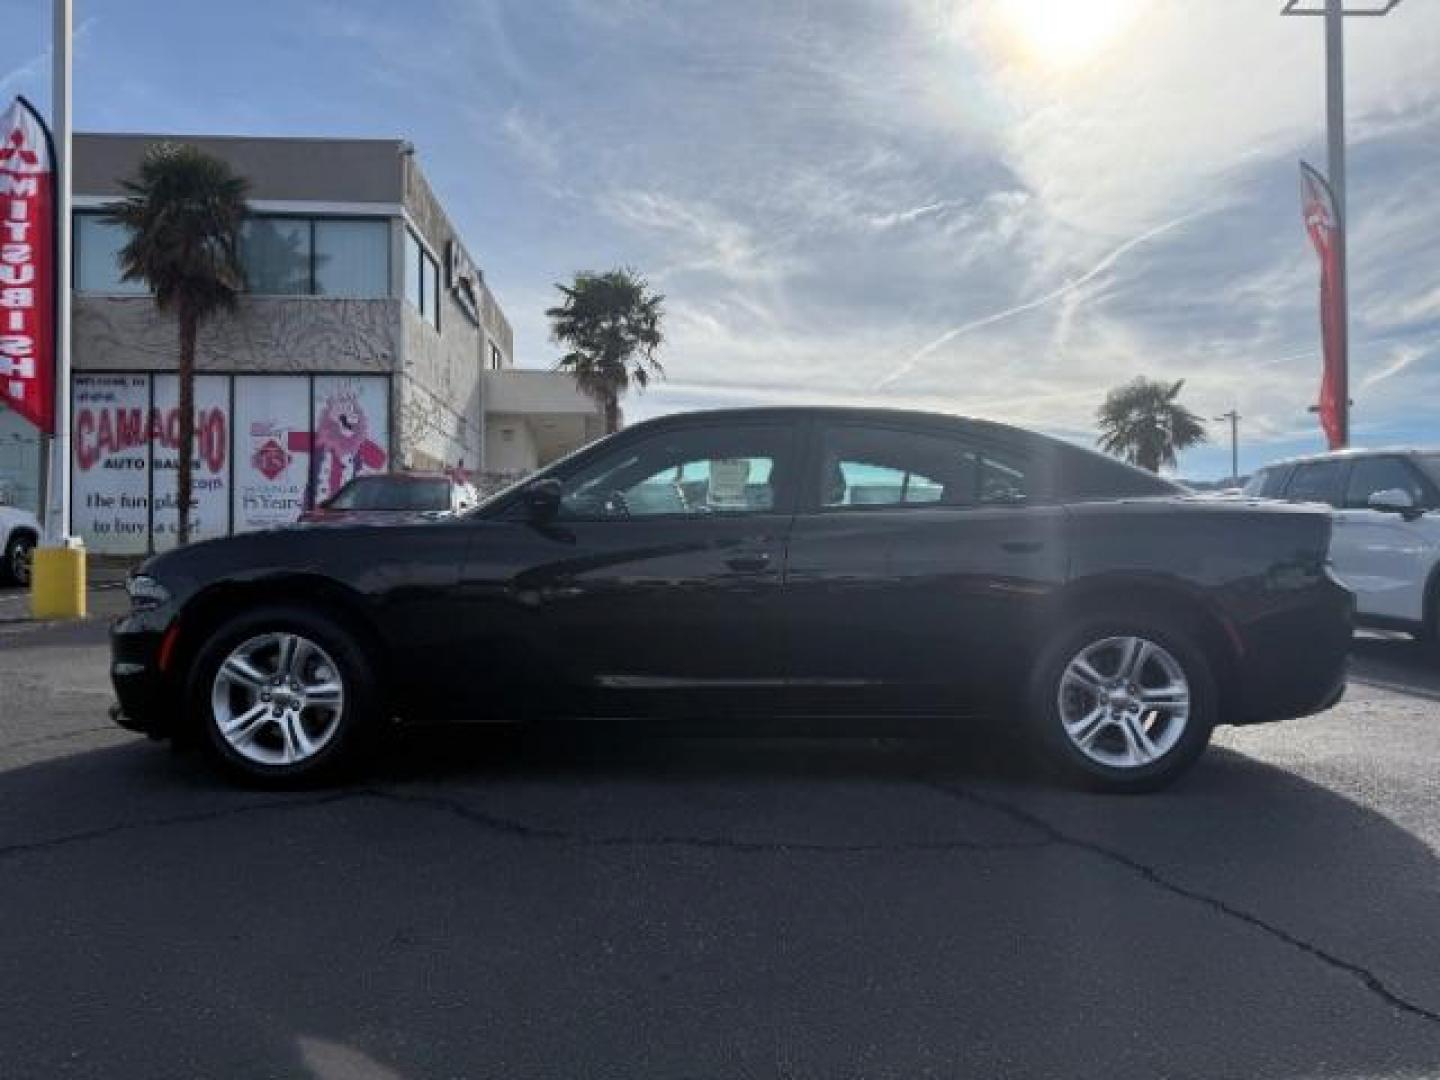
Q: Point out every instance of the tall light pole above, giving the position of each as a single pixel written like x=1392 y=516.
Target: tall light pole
x=1234 y=417
x=58 y=512
x=1335 y=12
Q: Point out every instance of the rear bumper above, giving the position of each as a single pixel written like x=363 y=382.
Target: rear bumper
x=1294 y=656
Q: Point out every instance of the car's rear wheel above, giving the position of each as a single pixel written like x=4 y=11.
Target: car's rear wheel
x=1123 y=703
x=19 y=558
x=284 y=695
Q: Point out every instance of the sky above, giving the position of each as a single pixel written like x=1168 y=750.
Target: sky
x=999 y=208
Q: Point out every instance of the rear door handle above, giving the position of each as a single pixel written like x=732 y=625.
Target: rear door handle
x=749 y=562
x=1023 y=547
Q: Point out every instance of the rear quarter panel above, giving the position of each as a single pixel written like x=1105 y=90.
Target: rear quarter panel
x=1259 y=570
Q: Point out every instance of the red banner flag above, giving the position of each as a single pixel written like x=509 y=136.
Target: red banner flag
x=27 y=266
x=1322 y=222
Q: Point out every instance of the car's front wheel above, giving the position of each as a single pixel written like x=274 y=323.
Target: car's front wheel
x=284 y=695
x=1123 y=703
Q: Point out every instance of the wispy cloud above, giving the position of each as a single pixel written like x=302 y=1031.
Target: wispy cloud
x=918 y=356
x=36 y=65
x=533 y=142
x=1401 y=357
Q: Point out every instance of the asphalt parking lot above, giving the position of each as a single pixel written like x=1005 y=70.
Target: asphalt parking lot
x=693 y=908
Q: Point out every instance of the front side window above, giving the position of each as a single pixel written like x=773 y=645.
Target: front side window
x=389 y=493
x=1316 y=482
x=863 y=466
x=689 y=473
x=1372 y=475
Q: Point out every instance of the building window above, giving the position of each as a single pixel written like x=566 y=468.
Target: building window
x=352 y=258
x=97 y=257
x=422 y=280
x=413 y=254
x=296 y=256
x=276 y=254
x=497 y=358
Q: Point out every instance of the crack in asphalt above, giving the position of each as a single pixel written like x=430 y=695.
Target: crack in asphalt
x=1367 y=978
x=26 y=847
x=1051 y=835
x=512 y=827
x=535 y=832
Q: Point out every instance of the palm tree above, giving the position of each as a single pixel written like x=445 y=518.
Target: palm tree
x=184 y=211
x=611 y=322
x=1143 y=423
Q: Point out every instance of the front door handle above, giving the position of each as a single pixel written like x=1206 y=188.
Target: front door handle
x=749 y=562
x=1023 y=547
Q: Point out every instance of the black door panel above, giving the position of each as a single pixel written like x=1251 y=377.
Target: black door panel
x=916 y=609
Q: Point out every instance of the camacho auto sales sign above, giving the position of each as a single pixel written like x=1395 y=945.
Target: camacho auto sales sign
x=27 y=266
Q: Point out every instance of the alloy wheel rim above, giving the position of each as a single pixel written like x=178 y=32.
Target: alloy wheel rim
x=277 y=699
x=1124 y=701
x=21 y=561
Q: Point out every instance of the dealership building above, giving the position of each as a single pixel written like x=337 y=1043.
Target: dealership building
x=368 y=340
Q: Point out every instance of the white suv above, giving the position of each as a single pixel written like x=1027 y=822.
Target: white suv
x=1386 y=544
x=19 y=533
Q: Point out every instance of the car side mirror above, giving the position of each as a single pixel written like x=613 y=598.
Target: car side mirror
x=542 y=500
x=1393 y=501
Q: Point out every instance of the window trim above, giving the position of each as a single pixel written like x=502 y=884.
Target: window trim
x=783 y=483
x=810 y=502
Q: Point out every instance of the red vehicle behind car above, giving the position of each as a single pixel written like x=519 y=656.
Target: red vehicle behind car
x=395 y=497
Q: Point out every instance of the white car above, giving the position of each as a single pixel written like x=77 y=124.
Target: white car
x=1386 y=543
x=19 y=533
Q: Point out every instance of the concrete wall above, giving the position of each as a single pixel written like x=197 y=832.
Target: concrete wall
x=300 y=333
x=324 y=170
x=438 y=398
x=510 y=448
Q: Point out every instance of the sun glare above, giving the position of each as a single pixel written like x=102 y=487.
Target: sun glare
x=1065 y=33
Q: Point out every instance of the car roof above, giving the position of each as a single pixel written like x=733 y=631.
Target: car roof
x=864 y=414
x=408 y=475
x=1351 y=453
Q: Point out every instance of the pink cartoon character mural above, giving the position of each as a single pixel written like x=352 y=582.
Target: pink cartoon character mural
x=343 y=447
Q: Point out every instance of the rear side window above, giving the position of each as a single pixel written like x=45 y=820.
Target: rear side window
x=1372 y=475
x=1318 y=481
x=880 y=466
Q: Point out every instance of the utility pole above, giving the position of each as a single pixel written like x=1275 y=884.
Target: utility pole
x=1234 y=417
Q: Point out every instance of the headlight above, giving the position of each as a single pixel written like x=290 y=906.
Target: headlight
x=145 y=592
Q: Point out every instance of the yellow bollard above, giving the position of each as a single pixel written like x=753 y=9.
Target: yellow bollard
x=57 y=583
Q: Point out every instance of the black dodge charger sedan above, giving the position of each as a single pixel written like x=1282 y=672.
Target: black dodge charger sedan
x=812 y=568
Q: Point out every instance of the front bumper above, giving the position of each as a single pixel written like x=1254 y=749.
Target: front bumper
x=145 y=695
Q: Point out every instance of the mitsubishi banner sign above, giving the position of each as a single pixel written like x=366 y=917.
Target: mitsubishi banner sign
x=27 y=266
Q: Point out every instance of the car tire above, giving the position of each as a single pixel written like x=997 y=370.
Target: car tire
x=1113 y=731
x=284 y=696
x=19 y=558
